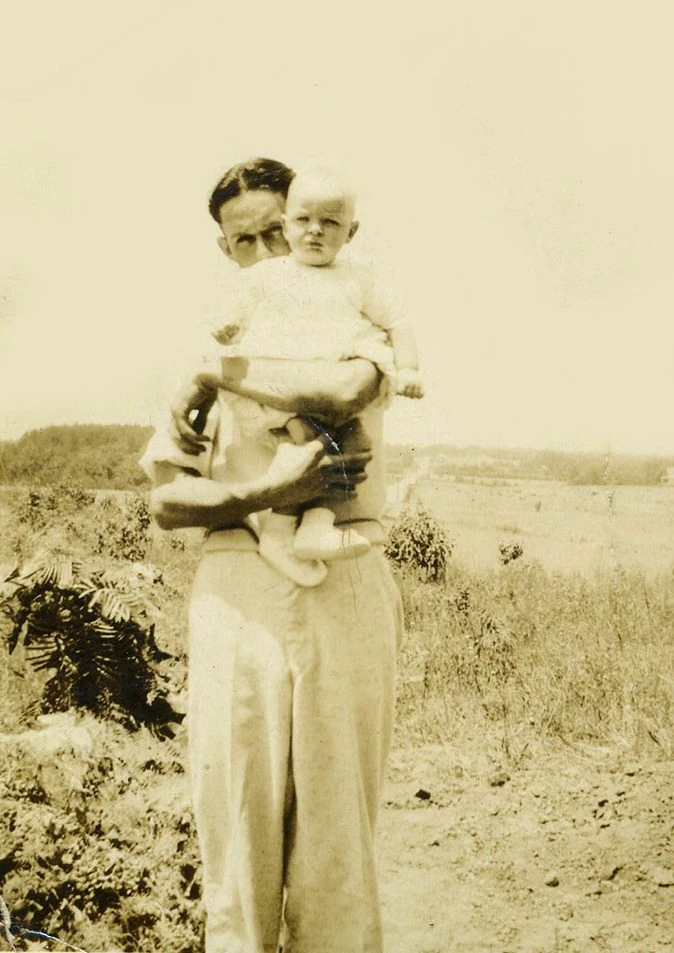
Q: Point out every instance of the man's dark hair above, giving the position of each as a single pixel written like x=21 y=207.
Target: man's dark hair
x=251 y=176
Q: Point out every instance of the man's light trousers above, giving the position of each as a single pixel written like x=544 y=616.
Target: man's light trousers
x=290 y=712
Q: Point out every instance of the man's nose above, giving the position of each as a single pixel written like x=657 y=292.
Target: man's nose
x=262 y=250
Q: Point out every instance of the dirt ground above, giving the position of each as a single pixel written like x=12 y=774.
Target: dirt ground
x=574 y=853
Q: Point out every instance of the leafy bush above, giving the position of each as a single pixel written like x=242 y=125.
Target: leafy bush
x=92 y=633
x=418 y=540
x=124 y=527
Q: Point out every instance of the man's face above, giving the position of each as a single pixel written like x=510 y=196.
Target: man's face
x=317 y=226
x=252 y=227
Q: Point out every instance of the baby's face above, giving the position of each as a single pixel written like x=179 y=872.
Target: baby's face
x=317 y=225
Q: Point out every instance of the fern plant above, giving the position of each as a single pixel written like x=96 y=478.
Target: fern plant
x=91 y=632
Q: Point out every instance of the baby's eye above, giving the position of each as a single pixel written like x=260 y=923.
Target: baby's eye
x=330 y=221
x=302 y=219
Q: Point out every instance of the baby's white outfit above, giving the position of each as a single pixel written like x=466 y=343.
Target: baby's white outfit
x=284 y=309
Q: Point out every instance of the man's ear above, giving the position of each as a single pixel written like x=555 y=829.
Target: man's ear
x=223 y=245
x=352 y=230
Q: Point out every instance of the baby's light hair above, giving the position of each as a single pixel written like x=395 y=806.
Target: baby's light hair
x=324 y=179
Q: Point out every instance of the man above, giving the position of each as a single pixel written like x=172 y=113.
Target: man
x=290 y=688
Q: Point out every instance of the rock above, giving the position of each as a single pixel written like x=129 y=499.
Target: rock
x=423 y=795
x=662 y=876
x=59 y=732
x=609 y=872
x=56 y=755
x=498 y=779
x=552 y=879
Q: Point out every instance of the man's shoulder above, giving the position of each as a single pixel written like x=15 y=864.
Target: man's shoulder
x=270 y=272
x=281 y=264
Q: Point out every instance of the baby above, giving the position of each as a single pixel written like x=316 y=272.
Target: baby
x=315 y=306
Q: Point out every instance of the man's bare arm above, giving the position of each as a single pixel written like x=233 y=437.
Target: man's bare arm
x=182 y=498
x=336 y=391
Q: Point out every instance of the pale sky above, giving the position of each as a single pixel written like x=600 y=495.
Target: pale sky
x=514 y=166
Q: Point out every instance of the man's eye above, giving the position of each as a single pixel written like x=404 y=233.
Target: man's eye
x=272 y=234
x=302 y=219
x=244 y=240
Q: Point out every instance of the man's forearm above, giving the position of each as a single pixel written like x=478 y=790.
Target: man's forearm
x=184 y=500
x=333 y=390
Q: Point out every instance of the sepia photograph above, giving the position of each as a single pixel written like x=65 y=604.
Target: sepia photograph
x=352 y=632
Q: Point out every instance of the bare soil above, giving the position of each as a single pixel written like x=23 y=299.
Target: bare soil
x=573 y=852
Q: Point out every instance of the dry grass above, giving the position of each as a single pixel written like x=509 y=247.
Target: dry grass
x=525 y=656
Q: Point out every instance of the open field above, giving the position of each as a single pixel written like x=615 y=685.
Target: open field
x=566 y=528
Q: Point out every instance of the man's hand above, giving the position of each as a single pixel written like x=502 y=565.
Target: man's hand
x=190 y=409
x=319 y=476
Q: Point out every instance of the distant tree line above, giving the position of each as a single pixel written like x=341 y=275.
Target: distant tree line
x=98 y=456
x=608 y=469
x=578 y=469
x=87 y=455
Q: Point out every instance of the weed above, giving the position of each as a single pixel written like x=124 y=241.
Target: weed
x=509 y=552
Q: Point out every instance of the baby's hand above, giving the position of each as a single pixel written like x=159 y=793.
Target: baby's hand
x=227 y=334
x=409 y=383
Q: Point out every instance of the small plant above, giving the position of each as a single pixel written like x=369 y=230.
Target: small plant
x=418 y=540
x=92 y=633
x=124 y=528
x=510 y=552
x=41 y=506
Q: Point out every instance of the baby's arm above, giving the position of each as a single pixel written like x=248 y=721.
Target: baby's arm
x=235 y=313
x=404 y=345
x=381 y=309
